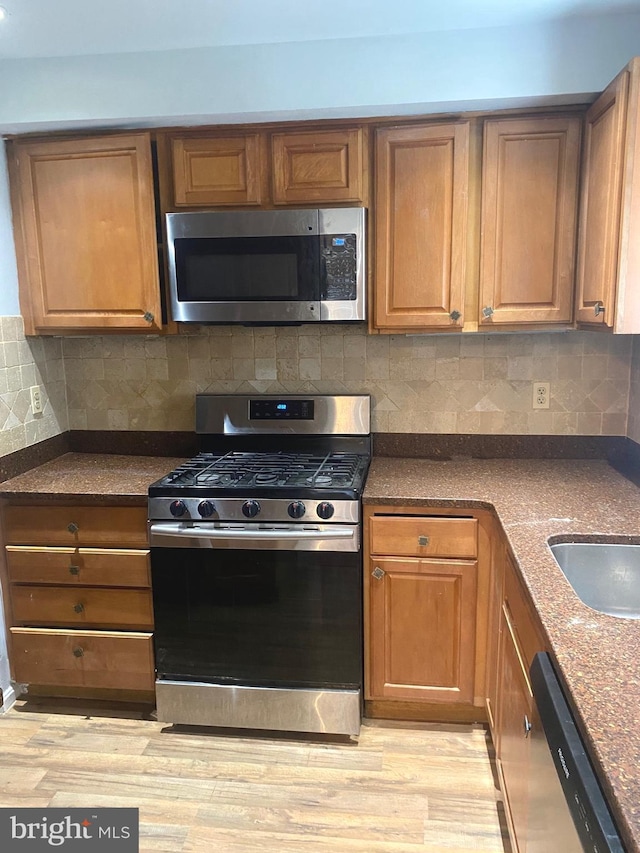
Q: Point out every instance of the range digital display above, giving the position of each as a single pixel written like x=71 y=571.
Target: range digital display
x=267 y=410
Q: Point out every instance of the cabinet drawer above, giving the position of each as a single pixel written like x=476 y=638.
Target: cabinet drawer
x=83 y=658
x=78 y=566
x=76 y=525
x=424 y=537
x=524 y=628
x=82 y=606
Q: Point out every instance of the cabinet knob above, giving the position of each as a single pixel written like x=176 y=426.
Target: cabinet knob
x=148 y=316
x=74 y=570
x=73 y=527
x=598 y=308
x=78 y=652
x=78 y=608
x=487 y=311
x=526 y=725
x=455 y=316
x=378 y=573
x=423 y=540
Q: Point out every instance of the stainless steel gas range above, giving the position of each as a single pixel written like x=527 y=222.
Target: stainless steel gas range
x=256 y=563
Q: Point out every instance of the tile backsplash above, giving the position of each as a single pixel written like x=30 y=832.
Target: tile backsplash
x=25 y=362
x=422 y=384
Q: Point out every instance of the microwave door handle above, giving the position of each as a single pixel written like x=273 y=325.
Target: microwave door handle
x=243 y=533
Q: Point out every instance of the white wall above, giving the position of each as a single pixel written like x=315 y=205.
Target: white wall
x=8 y=273
x=422 y=72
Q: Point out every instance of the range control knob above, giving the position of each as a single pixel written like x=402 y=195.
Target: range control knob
x=206 y=509
x=250 y=509
x=296 y=509
x=177 y=508
x=325 y=509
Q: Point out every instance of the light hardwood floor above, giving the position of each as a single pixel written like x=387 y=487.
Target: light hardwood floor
x=404 y=788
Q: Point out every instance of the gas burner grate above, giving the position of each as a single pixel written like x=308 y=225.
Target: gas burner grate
x=240 y=469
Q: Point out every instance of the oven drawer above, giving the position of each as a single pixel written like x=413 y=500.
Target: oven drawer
x=78 y=566
x=424 y=536
x=83 y=658
x=76 y=525
x=86 y=606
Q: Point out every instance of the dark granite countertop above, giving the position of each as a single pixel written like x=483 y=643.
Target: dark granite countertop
x=599 y=655
x=90 y=478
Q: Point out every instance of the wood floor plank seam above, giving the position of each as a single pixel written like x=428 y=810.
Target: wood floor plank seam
x=403 y=788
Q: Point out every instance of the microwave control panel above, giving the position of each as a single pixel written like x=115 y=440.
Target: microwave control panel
x=340 y=267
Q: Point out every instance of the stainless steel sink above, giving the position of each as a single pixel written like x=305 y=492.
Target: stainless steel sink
x=605 y=576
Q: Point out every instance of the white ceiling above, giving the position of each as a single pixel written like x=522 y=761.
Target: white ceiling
x=37 y=28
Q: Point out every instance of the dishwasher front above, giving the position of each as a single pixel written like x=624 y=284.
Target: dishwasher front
x=568 y=812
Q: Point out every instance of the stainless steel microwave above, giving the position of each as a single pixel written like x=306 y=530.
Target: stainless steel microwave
x=267 y=266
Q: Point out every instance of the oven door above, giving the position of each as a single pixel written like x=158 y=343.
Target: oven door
x=258 y=626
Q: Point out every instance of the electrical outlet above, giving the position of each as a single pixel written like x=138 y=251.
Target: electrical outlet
x=36 y=399
x=541 y=394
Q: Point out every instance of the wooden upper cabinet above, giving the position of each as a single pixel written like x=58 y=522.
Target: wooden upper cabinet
x=215 y=170
x=84 y=216
x=529 y=211
x=422 y=177
x=608 y=247
x=320 y=166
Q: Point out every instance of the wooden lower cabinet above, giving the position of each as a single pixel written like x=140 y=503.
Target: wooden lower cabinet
x=450 y=633
x=514 y=726
x=78 y=599
x=520 y=638
x=423 y=623
x=426 y=586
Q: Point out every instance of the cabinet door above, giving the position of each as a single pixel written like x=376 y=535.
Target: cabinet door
x=494 y=617
x=422 y=629
x=216 y=170
x=87 y=215
x=319 y=166
x=529 y=210
x=422 y=177
x=514 y=726
x=602 y=178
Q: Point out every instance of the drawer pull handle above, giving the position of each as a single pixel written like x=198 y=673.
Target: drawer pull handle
x=526 y=726
x=378 y=573
x=78 y=652
x=74 y=570
x=73 y=527
x=423 y=540
x=598 y=308
x=78 y=608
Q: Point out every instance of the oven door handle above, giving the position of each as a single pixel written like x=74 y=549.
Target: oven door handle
x=245 y=534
